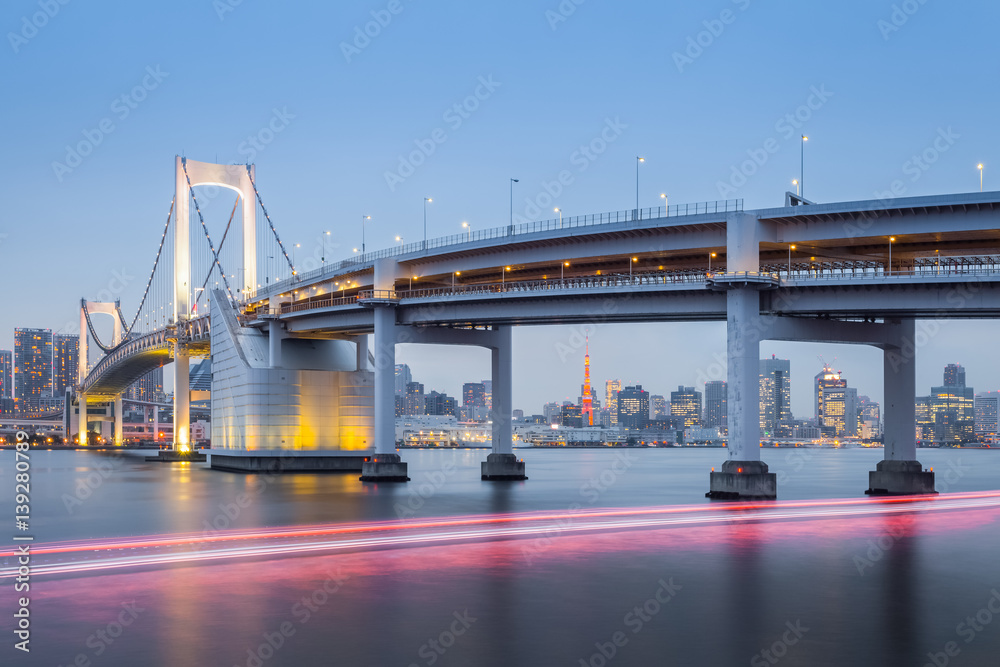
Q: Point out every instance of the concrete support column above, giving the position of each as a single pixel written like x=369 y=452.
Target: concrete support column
x=501 y=464
x=156 y=423
x=362 y=351
x=900 y=473
x=743 y=381
x=275 y=334
x=386 y=465
x=81 y=420
x=182 y=398
x=119 y=438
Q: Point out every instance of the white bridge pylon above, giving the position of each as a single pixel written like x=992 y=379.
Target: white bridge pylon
x=187 y=174
x=95 y=308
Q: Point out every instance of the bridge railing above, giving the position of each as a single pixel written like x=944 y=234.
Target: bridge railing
x=509 y=231
x=581 y=282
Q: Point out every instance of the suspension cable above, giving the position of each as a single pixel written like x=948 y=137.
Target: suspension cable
x=156 y=263
x=232 y=215
x=270 y=224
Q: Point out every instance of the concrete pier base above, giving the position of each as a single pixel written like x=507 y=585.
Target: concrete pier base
x=503 y=467
x=900 y=478
x=280 y=463
x=743 y=480
x=384 y=468
x=174 y=456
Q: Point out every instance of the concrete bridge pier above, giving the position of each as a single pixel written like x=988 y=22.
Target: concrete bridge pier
x=119 y=437
x=900 y=473
x=385 y=465
x=743 y=475
x=182 y=398
x=501 y=464
x=81 y=420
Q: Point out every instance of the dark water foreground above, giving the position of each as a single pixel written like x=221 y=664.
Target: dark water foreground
x=825 y=584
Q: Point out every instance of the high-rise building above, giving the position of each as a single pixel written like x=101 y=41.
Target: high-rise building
x=437 y=403
x=551 y=411
x=715 y=405
x=925 y=423
x=572 y=416
x=686 y=404
x=952 y=408
x=954 y=375
x=414 y=399
x=65 y=362
x=473 y=395
x=587 y=397
x=633 y=407
x=778 y=407
x=826 y=378
x=658 y=407
x=840 y=409
x=403 y=378
x=765 y=394
x=32 y=368
x=611 y=389
x=987 y=421
x=869 y=418
x=6 y=374
x=150 y=386
x=488 y=394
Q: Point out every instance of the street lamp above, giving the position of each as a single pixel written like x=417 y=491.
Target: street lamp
x=426 y=199
x=456 y=273
x=399 y=239
x=325 y=234
x=980 y=168
x=710 y=256
x=795 y=182
x=802 y=166
x=559 y=211
x=562 y=266
x=790 y=249
x=637 y=161
x=510 y=230
x=666 y=204
x=892 y=239
x=503 y=275
x=469 y=227
x=297 y=245
x=634 y=260
x=364 y=219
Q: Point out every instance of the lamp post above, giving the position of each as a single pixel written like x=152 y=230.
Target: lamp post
x=456 y=273
x=562 y=266
x=469 y=227
x=666 y=204
x=426 y=199
x=325 y=234
x=632 y=261
x=559 y=211
x=637 y=161
x=790 y=249
x=892 y=239
x=503 y=275
x=710 y=256
x=364 y=219
x=980 y=168
x=294 y=247
x=399 y=239
x=510 y=230
x=802 y=166
x=795 y=182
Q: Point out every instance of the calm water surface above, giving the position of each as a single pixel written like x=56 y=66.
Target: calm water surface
x=859 y=590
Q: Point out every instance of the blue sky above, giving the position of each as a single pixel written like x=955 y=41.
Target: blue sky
x=212 y=75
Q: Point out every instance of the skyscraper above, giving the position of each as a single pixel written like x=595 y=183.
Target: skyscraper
x=685 y=403
x=611 y=389
x=987 y=423
x=437 y=403
x=65 y=362
x=149 y=387
x=6 y=374
x=715 y=404
x=473 y=395
x=403 y=378
x=869 y=418
x=826 y=378
x=32 y=368
x=633 y=407
x=954 y=375
x=952 y=408
x=840 y=409
x=768 y=419
x=658 y=407
x=488 y=393
x=415 y=398
x=587 y=400
x=779 y=406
